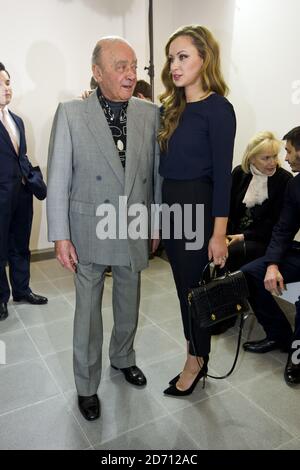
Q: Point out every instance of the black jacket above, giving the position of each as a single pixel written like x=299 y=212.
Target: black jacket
x=14 y=167
x=288 y=224
x=265 y=215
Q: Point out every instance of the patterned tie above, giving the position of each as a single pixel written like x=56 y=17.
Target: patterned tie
x=7 y=125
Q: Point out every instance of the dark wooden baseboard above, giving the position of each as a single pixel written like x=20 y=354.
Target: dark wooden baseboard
x=42 y=255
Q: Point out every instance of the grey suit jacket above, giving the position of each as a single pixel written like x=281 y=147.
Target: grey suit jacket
x=85 y=171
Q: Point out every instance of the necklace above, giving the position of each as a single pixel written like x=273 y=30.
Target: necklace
x=206 y=95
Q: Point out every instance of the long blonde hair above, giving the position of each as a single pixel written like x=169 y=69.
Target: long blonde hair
x=173 y=99
x=261 y=142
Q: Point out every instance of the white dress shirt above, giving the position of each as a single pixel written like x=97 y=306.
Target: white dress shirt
x=10 y=125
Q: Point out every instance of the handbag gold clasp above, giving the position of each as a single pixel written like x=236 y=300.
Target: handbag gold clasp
x=213 y=317
x=239 y=307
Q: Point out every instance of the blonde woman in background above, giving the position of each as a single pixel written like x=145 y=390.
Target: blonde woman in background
x=257 y=193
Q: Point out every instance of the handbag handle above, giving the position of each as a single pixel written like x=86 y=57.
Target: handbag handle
x=202 y=281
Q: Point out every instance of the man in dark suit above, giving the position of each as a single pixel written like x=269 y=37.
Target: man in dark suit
x=281 y=264
x=18 y=181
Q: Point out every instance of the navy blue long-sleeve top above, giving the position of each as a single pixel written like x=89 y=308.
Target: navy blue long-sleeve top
x=202 y=146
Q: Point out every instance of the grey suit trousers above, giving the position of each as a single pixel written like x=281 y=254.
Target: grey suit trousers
x=88 y=328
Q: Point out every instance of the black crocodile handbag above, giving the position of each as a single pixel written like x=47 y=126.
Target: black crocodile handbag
x=219 y=298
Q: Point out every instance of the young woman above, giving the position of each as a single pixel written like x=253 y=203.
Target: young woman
x=196 y=140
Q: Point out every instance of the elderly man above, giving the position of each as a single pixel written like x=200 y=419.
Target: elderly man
x=281 y=264
x=101 y=149
x=18 y=181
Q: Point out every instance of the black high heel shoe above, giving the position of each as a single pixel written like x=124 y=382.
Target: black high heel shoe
x=175 y=392
x=175 y=380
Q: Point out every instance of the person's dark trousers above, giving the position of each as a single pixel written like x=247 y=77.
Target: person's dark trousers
x=16 y=222
x=296 y=335
x=187 y=265
x=265 y=307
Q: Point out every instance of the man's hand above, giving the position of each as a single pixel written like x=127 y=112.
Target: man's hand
x=86 y=94
x=155 y=241
x=274 y=282
x=66 y=254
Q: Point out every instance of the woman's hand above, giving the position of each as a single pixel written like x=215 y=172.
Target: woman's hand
x=235 y=238
x=217 y=250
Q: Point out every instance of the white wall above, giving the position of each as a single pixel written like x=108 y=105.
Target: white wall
x=163 y=27
x=264 y=65
x=46 y=45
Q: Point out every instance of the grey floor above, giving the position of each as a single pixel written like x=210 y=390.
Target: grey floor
x=253 y=409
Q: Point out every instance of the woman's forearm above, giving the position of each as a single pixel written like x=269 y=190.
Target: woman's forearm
x=220 y=227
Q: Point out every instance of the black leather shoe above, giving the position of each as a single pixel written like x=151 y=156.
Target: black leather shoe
x=89 y=407
x=265 y=345
x=292 y=373
x=133 y=375
x=3 y=311
x=31 y=298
